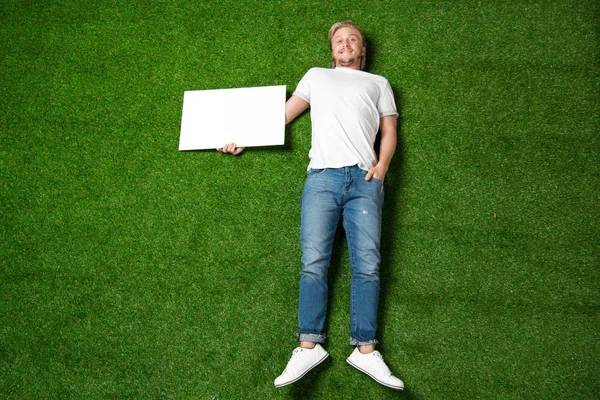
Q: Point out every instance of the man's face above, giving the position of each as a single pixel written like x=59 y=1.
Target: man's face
x=347 y=48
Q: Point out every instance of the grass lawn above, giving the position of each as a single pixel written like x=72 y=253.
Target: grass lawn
x=129 y=269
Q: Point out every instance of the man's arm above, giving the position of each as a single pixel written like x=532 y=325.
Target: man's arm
x=293 y=107
x=387 y=147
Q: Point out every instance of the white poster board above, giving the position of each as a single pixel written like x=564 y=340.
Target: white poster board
x=246 y=116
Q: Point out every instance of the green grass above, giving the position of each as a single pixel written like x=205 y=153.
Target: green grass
x=129 y=269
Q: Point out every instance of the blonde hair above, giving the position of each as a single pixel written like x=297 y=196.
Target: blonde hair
x=347 y=24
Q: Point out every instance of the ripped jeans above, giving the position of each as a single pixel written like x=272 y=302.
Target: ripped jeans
x=330 y=194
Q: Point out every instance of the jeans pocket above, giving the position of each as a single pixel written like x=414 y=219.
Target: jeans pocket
x=315 y=171
x=379 y=184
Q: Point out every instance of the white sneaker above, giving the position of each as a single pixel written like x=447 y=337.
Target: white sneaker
x=373 y=365
x=302 y=361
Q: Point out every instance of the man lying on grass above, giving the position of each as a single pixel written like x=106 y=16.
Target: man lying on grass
x=344 y=180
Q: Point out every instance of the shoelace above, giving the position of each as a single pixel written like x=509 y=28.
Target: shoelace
x=295 y=356
x=379 y=360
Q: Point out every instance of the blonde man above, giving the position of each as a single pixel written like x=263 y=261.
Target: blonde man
x=344 y=181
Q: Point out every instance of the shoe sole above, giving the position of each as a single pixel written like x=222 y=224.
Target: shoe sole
x=305 y=372
x=372 y=377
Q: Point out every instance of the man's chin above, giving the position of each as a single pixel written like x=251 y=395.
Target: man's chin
x=347 y=62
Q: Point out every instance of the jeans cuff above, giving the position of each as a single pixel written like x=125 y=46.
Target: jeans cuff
x=312 y=337
x=356 y=342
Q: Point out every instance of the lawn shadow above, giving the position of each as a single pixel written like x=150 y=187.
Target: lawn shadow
x=392 y=213
x=308 y=386
x=391 y=221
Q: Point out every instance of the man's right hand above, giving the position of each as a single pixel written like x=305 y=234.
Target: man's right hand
x=231 y=148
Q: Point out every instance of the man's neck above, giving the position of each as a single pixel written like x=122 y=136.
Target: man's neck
x=354 y=66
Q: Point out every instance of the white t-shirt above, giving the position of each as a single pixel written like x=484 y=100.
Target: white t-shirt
x=346 y=107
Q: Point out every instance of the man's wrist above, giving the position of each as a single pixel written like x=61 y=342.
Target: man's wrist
x=384 y=165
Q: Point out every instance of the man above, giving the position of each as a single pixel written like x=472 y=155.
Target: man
x=344 y=181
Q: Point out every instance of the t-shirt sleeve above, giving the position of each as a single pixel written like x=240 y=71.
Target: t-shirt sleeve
x=386 y=104
x=303 y=88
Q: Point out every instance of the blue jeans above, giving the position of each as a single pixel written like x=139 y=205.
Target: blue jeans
x=330 y=194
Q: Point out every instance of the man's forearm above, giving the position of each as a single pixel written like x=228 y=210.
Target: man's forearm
x=387 y=149
x=389 y=139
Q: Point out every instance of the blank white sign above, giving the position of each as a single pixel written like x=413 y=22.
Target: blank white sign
x=246 y=116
